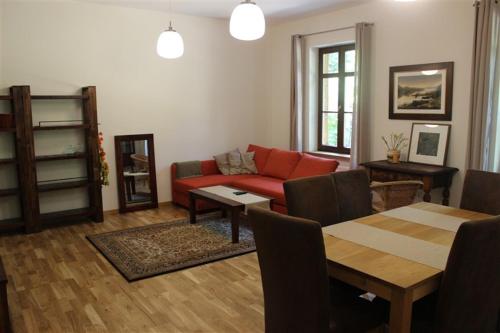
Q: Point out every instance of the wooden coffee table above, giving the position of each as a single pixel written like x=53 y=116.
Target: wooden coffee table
x=224 y=197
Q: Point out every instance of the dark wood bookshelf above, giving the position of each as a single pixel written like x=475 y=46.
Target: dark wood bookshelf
x=56 y=97
x=13 y=224
x=61 y=127
x=62 y=185
x=8 y=192
x=59 y=157
x=8 y=161
x=29 y=188
x=66 y=216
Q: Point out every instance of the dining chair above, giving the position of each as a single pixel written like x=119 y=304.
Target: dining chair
x=469 y=296
x=391 y=195
x=481 y=192
x=353 y=193
x=312 y=198
x=295 y=281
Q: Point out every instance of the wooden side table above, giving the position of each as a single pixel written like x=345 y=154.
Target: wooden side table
x=432 y=176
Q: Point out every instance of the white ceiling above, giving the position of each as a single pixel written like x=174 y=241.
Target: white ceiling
x=273 y=9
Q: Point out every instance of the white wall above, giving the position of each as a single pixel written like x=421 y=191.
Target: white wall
x=223 y=93
x=204 y=103
x=404 y=34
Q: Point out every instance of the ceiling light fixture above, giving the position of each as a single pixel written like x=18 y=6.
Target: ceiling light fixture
x=247 y=21
x=431 y=72
x=170 y=44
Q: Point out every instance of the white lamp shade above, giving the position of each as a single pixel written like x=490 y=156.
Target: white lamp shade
x=247 y=22
x=170 y=45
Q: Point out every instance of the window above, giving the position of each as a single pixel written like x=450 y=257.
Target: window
x=336 y=98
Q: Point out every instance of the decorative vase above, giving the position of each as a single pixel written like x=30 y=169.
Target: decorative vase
x=393 y=156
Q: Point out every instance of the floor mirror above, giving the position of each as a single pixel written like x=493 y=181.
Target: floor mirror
x=136 y=172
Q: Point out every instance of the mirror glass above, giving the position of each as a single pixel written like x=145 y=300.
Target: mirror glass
x=135 y=170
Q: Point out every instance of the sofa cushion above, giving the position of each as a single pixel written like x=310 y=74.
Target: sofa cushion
x=261 y=156
x=272 y=187
x=187 y=184
x=313 y=166
x=281 y=163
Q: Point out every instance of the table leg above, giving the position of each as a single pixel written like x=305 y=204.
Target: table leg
x=192 y=208
x=446 y=192
x=235 y=224
x=224 y=213
x=401 y=308
x=427 y=188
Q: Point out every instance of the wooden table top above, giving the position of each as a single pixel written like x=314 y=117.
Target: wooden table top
x=390 y=269
x=410 y=168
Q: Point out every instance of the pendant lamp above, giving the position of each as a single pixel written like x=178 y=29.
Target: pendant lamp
x=247 y=21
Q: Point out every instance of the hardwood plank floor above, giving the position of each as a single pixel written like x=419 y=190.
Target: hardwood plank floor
x=58 y=282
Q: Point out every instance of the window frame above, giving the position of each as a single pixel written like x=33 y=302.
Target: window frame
x=341 y=75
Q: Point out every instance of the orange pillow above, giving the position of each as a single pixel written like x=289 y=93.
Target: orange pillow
x=261 y=156
x=313 y=166
x=281 y=163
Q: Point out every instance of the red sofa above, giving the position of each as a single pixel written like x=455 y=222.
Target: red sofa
x=274 y=166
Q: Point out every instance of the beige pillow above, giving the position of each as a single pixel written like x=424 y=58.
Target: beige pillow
x=235 y=163
x=247 y=159
x=222 y=163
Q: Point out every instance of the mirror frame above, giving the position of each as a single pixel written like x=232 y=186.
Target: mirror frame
x=123 y=208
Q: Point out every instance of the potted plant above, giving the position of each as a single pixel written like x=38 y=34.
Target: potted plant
x=394 y=144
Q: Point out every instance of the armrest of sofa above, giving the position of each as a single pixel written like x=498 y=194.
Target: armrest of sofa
x=208 y=167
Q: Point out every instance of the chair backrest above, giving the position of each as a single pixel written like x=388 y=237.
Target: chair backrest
x=313 y=198
x=294 y=272
x=481 y=192
x=469 y=297
x=353 y=194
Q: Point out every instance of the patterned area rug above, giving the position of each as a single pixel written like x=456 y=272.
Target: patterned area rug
x=156 y=249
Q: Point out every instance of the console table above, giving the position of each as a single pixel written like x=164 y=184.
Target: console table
x=432 y=176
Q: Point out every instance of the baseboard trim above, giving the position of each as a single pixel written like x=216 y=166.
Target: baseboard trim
x=116 y=212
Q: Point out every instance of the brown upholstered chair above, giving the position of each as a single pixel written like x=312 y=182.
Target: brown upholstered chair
x=295 y=279
x=469 y=296
x=353 y=194
x=313 y=198
x=481 y=192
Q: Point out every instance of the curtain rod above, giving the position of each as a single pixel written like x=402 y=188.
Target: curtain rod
x=331 y=30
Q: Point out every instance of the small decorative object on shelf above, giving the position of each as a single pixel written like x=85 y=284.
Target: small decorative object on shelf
x=7 y=120
x=103 y=162
x=394 y=144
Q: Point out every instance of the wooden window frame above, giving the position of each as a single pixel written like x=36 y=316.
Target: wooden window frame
x=341 y=49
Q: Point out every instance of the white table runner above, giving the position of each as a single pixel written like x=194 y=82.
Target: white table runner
x=247 y=199
x=431 y=219
x=424 y=252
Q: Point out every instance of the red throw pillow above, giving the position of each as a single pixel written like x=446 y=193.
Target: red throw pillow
x=281 y=163
x=261 y=156
x=313 y=166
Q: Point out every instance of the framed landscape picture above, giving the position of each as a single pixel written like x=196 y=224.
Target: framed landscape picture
x=421 y=92
x=429 y=143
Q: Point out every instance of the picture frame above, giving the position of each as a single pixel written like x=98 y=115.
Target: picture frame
x=429 y=143
x=421 y=92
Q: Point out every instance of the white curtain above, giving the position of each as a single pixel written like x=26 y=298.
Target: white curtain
x=484 y=138
x=360 y=144
x=297 y=113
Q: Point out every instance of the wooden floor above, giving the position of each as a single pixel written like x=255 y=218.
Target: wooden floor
x=58 y=282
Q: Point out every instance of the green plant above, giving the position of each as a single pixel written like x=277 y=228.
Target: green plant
x=395 y=141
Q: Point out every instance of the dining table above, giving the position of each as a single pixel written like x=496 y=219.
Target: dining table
x=398 y=255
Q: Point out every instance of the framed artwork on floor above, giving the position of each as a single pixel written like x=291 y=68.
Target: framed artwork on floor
x=421 y=92
x=429 y=143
